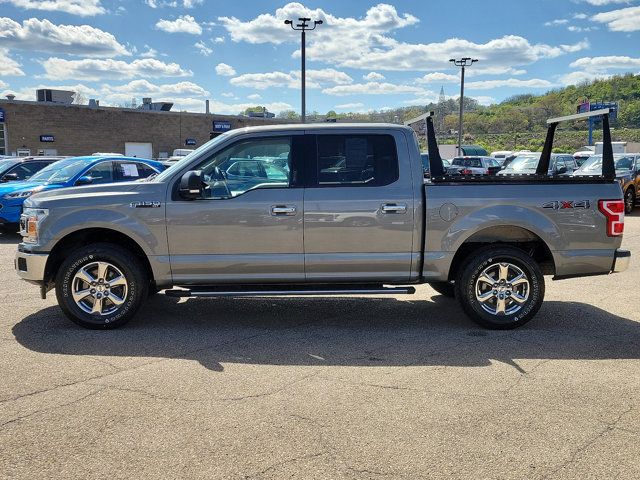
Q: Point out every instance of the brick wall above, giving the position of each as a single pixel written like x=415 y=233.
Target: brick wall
x=80 y=130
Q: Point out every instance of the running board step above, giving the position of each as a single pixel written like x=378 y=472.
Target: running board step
x=217 y=292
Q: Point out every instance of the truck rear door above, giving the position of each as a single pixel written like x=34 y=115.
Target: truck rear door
x=359 y=208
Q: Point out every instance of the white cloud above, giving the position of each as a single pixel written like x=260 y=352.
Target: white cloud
x=44 y=36
x=599 y=64
x=225 y=70
x=484 y=100
x=373 y=76
x=235 y=108
x=555 y=23
x=438 y=77
x=219 y=40
x=576 y=28
x=575 y=78
x=622 y=20
x=185 y=95
x=314 y=79
x=102 y=69
x=254 y=96
x=191 y=3
x=3 y=84
x=9 y=66
x=477 y=71
x=268 y=28
x=151 y=3
x=345 y=106
x=203 y=48
x=371 y=47
x=29 y=92
x=508 y=83
x=580 y=16
x=149 y=53
x=228 y=95
x=600 y=3
x=84 y=8
x=373 y=88
x=182 y=24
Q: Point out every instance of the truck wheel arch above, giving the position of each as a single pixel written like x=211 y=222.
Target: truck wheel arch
x=88 y=236
x=516 y=236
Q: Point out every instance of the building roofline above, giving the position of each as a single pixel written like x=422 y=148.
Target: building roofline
x=4 y=101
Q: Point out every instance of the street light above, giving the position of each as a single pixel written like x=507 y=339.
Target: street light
x=303 y=27
x=463 y=62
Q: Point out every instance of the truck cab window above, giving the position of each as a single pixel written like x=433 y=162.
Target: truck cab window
x=356 y=160
x=248 y=165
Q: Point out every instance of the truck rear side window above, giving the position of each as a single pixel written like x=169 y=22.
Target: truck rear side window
x=356 y=160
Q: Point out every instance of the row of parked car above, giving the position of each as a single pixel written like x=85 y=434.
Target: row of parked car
x=561 y=164
x=21 y=177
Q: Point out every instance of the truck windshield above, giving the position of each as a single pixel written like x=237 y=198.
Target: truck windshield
x=61 y=171
x=168 y=173
x=593 y=165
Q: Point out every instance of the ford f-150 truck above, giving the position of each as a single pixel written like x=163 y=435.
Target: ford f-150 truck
x=320 y=210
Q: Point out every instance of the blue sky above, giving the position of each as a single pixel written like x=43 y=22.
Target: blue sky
x=365 y=56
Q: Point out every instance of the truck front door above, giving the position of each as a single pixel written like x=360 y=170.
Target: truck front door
x=359 y=209
x=248 y=226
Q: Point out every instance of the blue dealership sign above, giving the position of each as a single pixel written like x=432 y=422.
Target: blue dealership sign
x=221 y=126
x=47 y=138
x=1 y=115
x=190 y=141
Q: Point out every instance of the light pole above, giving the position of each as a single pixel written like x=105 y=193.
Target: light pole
x=303 y=27
x=463 y=63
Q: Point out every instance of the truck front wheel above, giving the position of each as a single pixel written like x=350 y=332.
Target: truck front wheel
x=500 y=288
x=101 y=286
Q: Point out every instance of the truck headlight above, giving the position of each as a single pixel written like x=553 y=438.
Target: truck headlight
x=30 y=223
x=22 y=194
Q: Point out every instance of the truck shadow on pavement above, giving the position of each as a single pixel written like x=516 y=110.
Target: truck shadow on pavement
x=9 y=237
x=335 y=331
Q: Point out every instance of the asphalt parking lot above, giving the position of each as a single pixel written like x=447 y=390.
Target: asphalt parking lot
x=346 y=387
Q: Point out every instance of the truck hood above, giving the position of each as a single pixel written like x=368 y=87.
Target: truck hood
x=95 y=195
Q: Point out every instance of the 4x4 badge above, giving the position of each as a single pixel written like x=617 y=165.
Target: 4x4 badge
x=565 y=204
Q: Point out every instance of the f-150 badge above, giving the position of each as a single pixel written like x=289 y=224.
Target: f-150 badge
x=145 y=204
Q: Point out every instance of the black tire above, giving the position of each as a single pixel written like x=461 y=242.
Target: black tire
x=446 y=289
x=489 y=258
x=135 y=280
x=629 y=200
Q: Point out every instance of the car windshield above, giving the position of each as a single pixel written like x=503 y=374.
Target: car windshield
x=61 y=171
x=5 y=164
x=524 y=162
x=593 y=165
x=177 y=166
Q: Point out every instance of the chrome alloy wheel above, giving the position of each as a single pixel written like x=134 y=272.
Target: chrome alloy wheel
x=502 y=289
x=99 y=288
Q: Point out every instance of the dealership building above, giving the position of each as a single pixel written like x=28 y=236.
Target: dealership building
x=52 y=125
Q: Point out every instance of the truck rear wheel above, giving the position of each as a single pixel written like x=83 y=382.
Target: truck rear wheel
x=500 y=288
x=101 y=286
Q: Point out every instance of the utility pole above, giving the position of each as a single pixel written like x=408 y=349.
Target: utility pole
x=303 y=27
x=463 y=63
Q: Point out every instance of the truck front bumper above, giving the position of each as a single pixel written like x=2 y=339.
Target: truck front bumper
x=30 y=266
x=621 y=260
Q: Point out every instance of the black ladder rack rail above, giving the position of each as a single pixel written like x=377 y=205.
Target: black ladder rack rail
x=608 y=166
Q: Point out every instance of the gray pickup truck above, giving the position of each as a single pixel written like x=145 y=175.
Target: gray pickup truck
x=319 y=210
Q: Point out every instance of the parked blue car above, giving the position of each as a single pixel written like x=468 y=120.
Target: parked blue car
x=71 y=172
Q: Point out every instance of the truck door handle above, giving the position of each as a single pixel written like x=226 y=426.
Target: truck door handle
x=394 y=208
x=279 y=210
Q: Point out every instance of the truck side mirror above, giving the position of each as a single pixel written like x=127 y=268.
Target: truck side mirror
x=9 y=177
x=86 y=180
x=191 y=185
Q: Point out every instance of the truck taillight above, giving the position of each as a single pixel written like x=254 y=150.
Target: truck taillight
x=614 y=211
